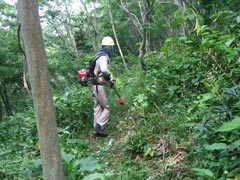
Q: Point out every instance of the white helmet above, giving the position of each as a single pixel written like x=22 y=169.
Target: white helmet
x=107 y=41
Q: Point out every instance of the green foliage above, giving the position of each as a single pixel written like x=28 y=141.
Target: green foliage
x=219 y=103
x=10 y=62
x=186 y=104
x=192 y=85
x=206 y=173
x=234 y=124
x=72 y=107
x=84 y=168
x=18 y=149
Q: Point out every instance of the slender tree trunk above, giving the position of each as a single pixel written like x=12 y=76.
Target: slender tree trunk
x=59 y=32
x=94 y=43
x=133 y=18
x=180 y=4
x=195 y=13
x=170 y=33
x=41 y=90
x=25 y=78
x=141 y=27
x=1 y=111
x=70 y=31
x=72 y=40
x=140 y=8
x=5 y=99
x=143 y=48
x=115 y=35
x=147 y=38
x=96 y=24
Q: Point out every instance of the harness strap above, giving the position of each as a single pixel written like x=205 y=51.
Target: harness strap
x=95 y=77
x=94 y=81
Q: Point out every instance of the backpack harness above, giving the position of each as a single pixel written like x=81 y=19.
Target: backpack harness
x=87 y=75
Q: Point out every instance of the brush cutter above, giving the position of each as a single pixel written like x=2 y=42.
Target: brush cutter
x=84 y=77
x=120 y=99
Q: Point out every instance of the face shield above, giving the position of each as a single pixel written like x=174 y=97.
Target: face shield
x=109 y=50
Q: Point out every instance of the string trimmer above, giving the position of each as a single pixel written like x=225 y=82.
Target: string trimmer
x=84 y=78
x=120 y=99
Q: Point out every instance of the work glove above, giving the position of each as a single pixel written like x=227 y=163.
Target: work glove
x=106 y=76
x=112 y=85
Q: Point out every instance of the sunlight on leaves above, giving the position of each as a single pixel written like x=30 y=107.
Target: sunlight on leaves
x=67 y=157
x=89 y=164
x=204 y=172
x=93 y=176
x=216 y=146
x=234 y=124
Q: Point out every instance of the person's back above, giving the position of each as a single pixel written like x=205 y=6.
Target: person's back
x=103 y=78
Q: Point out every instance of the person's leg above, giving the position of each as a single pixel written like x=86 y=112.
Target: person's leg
x=101 y=108
x=97 y=110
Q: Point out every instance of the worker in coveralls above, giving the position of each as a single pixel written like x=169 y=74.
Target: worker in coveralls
x=101 y=70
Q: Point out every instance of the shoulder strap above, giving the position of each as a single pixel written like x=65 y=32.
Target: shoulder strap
x=99 y=54
x=92 y=63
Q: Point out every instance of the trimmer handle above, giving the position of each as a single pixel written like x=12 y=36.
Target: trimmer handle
x=114 y=87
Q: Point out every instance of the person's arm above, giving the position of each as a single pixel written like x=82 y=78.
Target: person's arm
x=104 y=68
x=105 y=72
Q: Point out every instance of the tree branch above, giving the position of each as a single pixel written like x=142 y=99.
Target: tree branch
x=19 y=40
x=168 y=3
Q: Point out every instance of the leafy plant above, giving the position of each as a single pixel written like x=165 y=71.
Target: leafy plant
x=229 y=126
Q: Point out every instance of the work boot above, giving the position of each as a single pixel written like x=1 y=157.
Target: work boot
x=99 y=131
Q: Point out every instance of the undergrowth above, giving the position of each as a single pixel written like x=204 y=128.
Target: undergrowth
x=180 y=121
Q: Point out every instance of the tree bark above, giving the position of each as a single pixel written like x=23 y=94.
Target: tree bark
x=59 y=32
x=143 y=48
x=70 y=31
x=5 y=99
x=141 y=26
x=115 y=35
x=181 y=5
x=96 y=24
x=1 y=111
x=195 y=13
x=25 y=79
x=94 y=43
x=133 y=18
x=41 y=90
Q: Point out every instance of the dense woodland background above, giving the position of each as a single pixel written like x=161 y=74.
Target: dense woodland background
x=176 y=61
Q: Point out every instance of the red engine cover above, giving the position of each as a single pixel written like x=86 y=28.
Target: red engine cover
x=83 y=73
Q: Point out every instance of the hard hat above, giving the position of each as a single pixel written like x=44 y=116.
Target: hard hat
x=107 y=41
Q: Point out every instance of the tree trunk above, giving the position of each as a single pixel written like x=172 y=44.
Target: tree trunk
x=195 y=13
x=180 y=4
x=141 y=27
x=133 y=18
x=115 y=35
x=143 y=48
x=140 y=8
x=59 y=32
x=94 y=43
x=96 y=24
x=25 y=79
x=70 y=31
x=1 y=111
x=41 y=90
x=5 y=99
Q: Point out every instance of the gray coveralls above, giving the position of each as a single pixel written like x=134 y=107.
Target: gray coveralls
x=101 y=107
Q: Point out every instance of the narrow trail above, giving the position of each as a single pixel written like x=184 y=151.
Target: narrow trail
x=114 y=154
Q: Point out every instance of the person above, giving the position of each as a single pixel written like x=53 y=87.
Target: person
x=104 y=79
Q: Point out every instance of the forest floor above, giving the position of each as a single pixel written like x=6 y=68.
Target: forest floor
x=115 y=155
x=123 y=155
